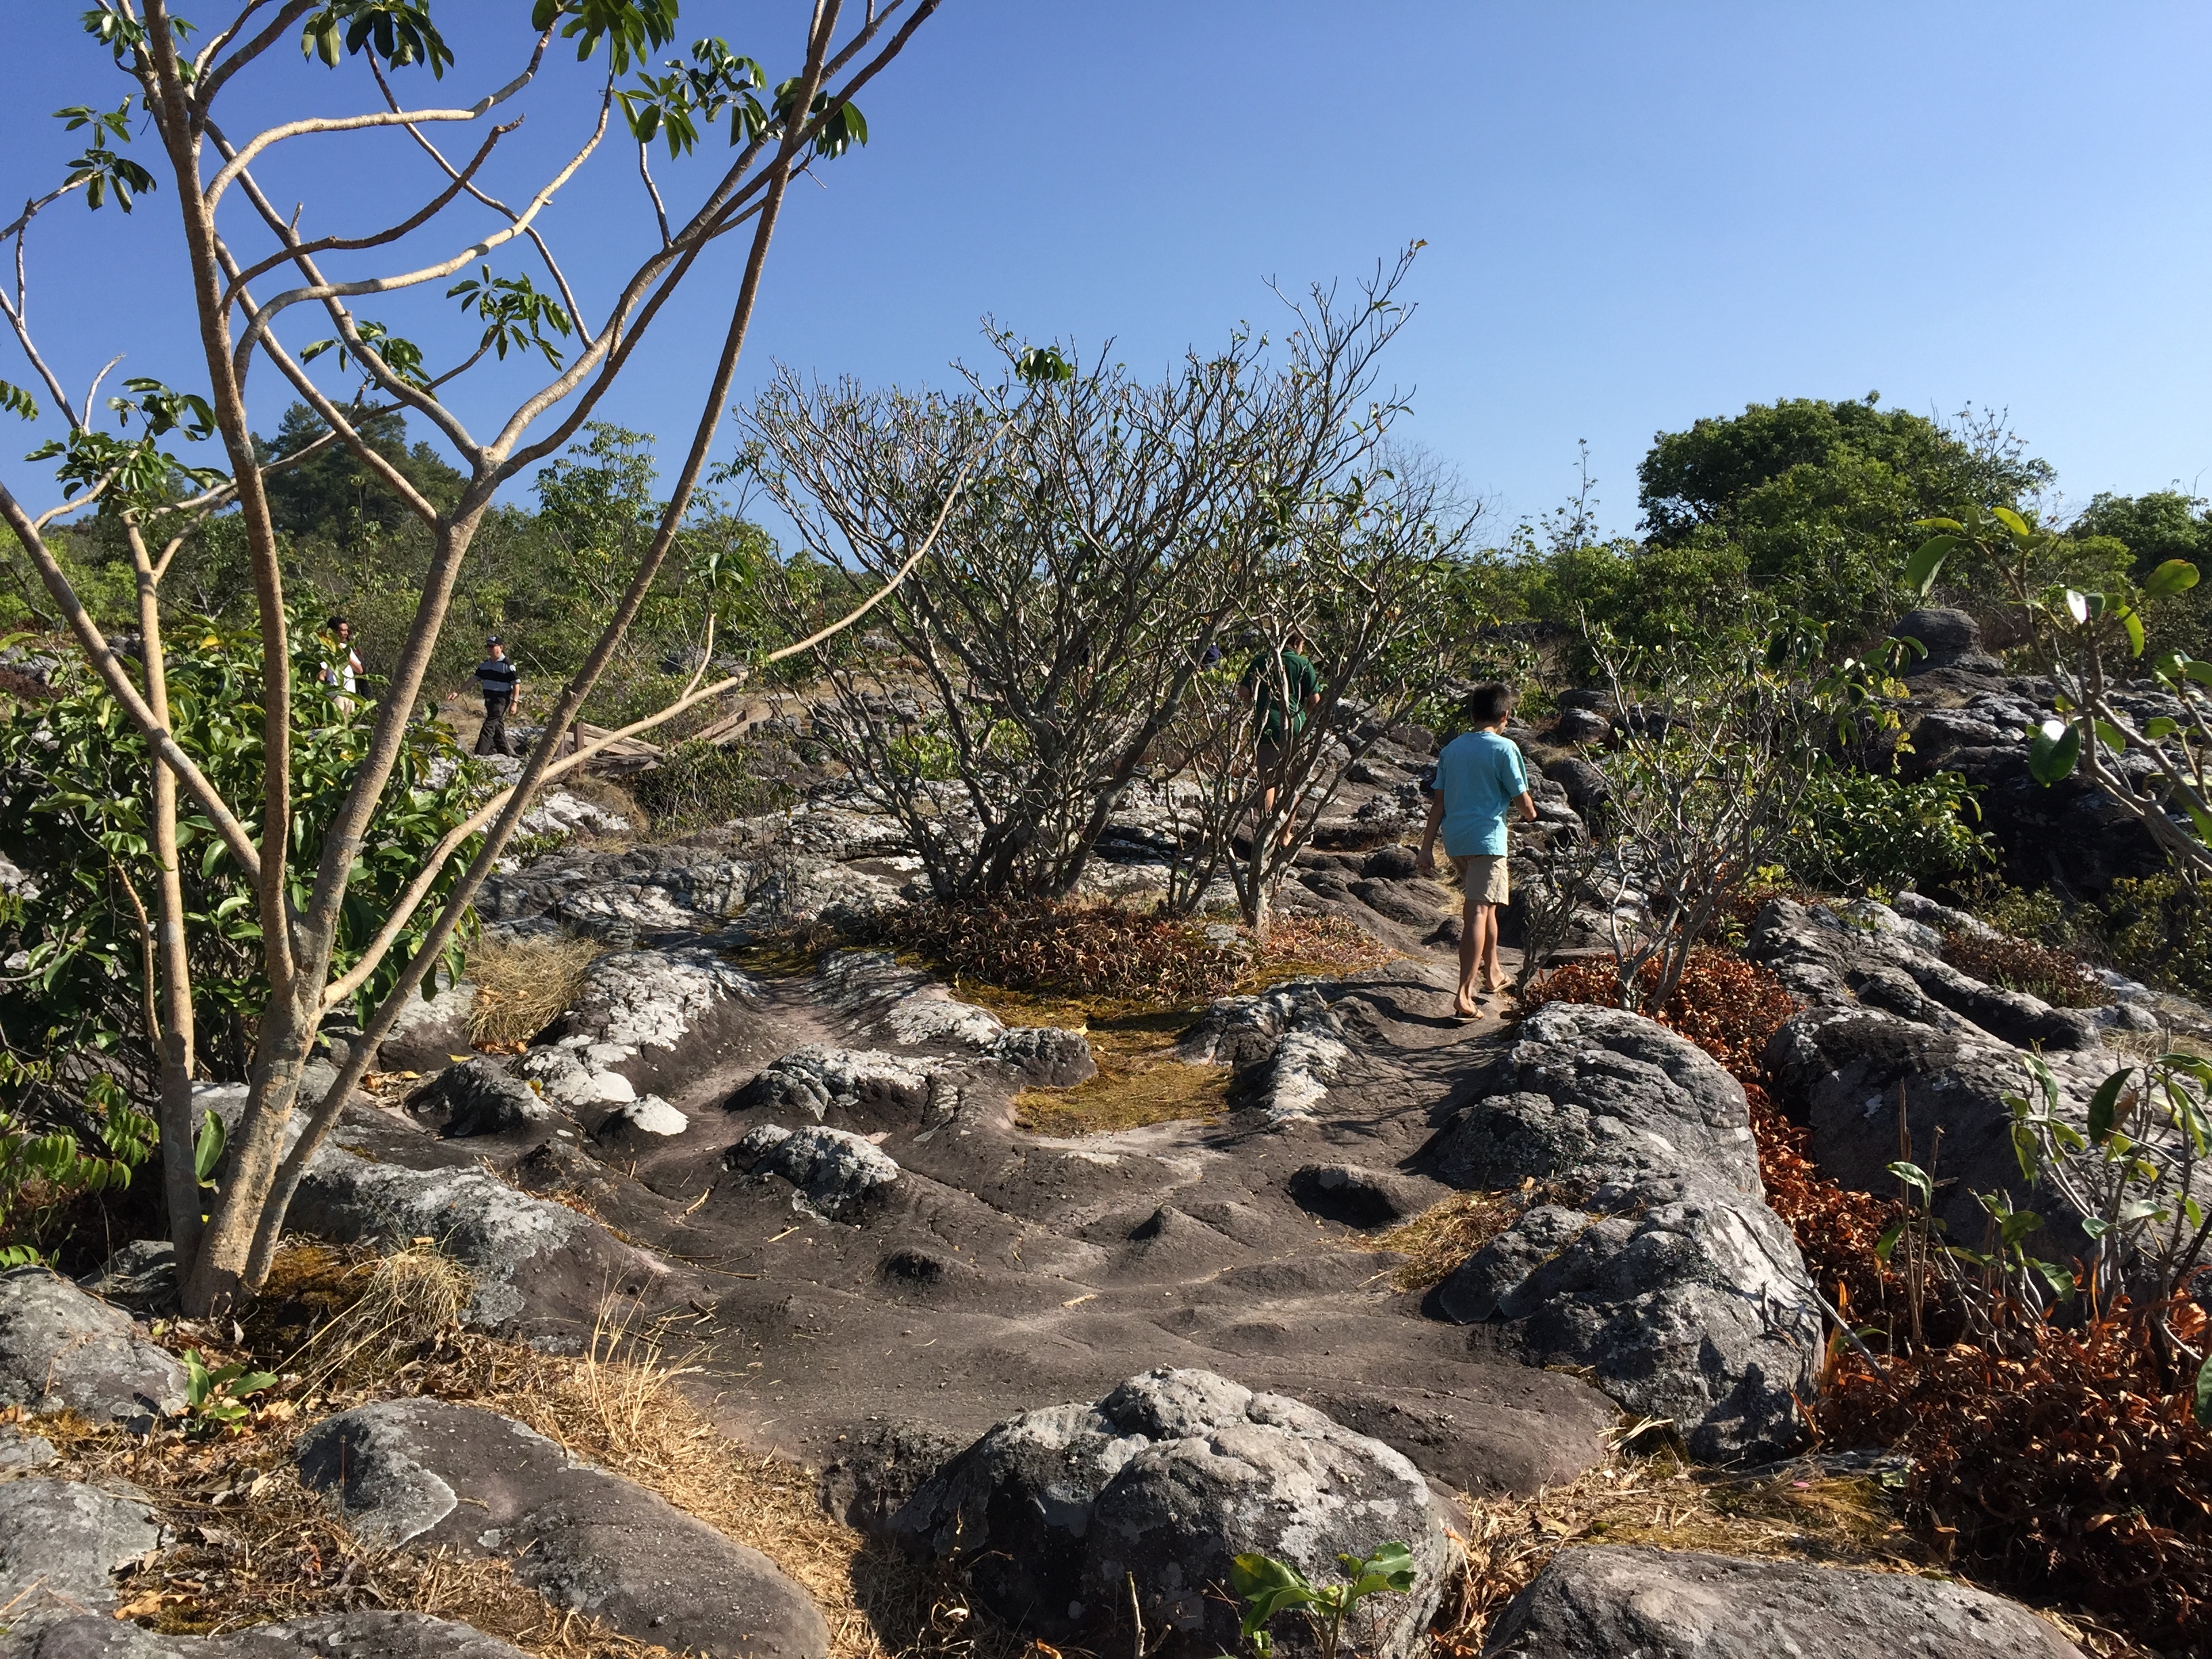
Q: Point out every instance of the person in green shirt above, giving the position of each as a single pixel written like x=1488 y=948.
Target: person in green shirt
x=1282 y=688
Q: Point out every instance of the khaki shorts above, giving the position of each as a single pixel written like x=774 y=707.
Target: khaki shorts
x=1484 y=877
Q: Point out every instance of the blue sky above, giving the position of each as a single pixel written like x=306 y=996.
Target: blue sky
x=1636 y=213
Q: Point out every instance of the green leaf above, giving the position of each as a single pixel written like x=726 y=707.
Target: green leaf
x=2132 y=620
x=2175 y=576
x=16 y=401
x=1927 y=560
x=2103 y=1103
x=207 y=1148
x=1887 y=1242
x=1916 y=1179
x=2051 y=760
x=2011 y=520
x=2159 y=725
x=2112 y=736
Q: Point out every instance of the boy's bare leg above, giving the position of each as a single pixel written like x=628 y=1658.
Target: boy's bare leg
x=1470 y=958
x=1493 y=976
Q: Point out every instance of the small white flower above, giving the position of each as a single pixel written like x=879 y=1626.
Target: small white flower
x=2054 y=730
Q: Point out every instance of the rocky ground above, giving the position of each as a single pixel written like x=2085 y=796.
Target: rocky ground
x=1090 y=1367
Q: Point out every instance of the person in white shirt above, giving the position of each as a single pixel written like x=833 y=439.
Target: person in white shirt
x=341 y=668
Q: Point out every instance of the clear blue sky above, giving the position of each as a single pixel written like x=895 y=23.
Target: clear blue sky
x=1636 y=213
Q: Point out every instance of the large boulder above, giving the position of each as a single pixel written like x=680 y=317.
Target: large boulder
x=61 y=1349
x=1163 y=1482
x=1951 y=639
x=1603 y=1602
x=819 y=1080
x=1867 y=955
x=1658 y=1264
x=429 y=1032
x=61 y=1543
x=436 y=1476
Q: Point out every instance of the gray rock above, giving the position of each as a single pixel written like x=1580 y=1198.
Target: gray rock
x=818 y=1079
x=865 y=1486
x=1585 y=786
x=1602 y=1601
x=62 y=1348
x=1580 y=725
x=1876 y=958
x=141 y=1276
x=480 y=1097
x=436 y=1476
x=1359 y=1196
x=1049 y=1056
x=833 y=1169
x=1953 y=639
x=352 y=1635
x=1165 y=1479
x=1659 y=1265
x=20 y=1452
x=429 y=1032
x=1844 y=1069
x=1290 y=1030
x=60 y=1544
x=540 y=1268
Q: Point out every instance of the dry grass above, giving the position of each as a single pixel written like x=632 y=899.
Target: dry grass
x=1446 y=1234
x=251 y=1545
x=405 y=1301
x=523 y=986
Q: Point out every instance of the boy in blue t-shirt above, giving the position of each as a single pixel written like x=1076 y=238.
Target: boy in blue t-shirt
x=1480 y=778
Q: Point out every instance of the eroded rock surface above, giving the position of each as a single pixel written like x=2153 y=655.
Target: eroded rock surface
x=432 y=1474
x=333 y=1635
x=61 y=1542
x=1600 y=1602
x=61 y=1349
x=1658 y=1264
x=1165 y=1479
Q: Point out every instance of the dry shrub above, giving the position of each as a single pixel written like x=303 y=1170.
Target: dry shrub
x=1836 y=1229
x=2071 y=1464
x=525 y=985
x=2060 y=977
x=406 y=1300
x=1301 y=945
x=1727 y=1006
x=1042 y=945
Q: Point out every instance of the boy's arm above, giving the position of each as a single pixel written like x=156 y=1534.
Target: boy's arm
x=1527 y=803
x=1425 y=861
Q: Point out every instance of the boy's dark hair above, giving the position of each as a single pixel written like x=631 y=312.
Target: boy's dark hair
x=1487 y=705
x=337 y=623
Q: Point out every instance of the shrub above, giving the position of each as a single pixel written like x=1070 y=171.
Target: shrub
x=1101 y=949
x=699 y=784
x=2066 y=1462
x=2160 y=930
x=1857 y=830
x=2059 y=976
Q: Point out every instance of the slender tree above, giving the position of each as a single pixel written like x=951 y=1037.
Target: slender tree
x=237 y=263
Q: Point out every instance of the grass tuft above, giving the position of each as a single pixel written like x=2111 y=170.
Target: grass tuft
x=525 y=985
x=1446 y=1234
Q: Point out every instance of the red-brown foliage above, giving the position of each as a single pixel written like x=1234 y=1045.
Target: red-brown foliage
x=1097 y=950
x=1726 y=1005
x=2060 y=977
x=2072 y=1464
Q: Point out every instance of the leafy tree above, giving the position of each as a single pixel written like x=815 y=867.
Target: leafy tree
x=247 y=268
x=334 y=495
x=1819 y=498
x=1113 y=536
x=2152 y=530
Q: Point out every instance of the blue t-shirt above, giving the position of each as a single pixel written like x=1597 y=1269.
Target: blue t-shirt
x=1478 y=775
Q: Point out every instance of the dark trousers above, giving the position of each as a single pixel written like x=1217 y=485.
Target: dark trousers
x=493 y=739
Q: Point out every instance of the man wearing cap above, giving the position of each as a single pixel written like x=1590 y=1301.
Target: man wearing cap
x=496 y=678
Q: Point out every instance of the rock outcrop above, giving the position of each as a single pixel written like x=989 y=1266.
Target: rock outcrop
x=1606 y=1602
x=61 y=1543
x=432 y=1474
x=1657 y=1263
x=1164 y=1481
x=61 y=1349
